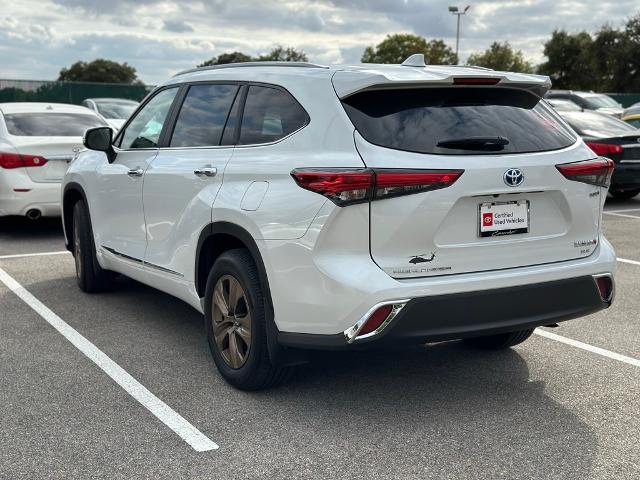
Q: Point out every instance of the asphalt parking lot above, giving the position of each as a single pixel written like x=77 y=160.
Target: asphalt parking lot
x=545 y=409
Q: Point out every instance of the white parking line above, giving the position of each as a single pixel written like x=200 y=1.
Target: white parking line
x=589 y=348
x=163 y=412
x=632 y=262
x=40 y=254
x=621 y=211
x=621 y=215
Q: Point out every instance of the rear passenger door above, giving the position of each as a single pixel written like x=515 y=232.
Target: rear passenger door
x=183 y=180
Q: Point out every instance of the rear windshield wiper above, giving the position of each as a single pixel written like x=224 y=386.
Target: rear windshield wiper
x=474 y=143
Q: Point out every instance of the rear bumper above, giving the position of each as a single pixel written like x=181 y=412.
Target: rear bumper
x=42 y=196
x=472 y=314
x=626 y=176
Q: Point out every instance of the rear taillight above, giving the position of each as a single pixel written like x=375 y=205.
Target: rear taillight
x=594 y=172
x=392 y=183
x=17 y=160
x=341 y=186
x=349 y=186
x=605 y=149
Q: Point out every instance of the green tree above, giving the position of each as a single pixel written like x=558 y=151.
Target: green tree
x=398 y=47
x=231 y=57
x=500 y=56
x=100 y=70
x=277 y=54
x=569 y=60
x=281 y=54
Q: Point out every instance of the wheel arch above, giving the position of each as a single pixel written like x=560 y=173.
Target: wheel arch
x=215 y=239
x=73 y=192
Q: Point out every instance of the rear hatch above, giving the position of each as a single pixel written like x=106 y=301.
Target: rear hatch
x=47 y=139
x=511 y=206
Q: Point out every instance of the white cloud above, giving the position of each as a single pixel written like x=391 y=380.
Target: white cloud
x=160 y=37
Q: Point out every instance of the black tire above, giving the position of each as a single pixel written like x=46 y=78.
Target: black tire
x=501 y=341
x=91 y=277
x=624 y=194
x=257 y=372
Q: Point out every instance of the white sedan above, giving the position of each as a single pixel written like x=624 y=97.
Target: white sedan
x=37 y=142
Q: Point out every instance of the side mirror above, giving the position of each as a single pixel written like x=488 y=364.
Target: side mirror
x=100 y=139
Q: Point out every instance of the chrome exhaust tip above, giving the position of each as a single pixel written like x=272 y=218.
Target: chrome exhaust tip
x=34 y=214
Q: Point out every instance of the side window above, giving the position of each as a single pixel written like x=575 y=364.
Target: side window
x=269 y=115
x=203 y=115
x=145 y=128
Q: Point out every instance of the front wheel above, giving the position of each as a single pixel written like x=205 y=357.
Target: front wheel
x=235 y=323
x=624 y=194
x=500 y=341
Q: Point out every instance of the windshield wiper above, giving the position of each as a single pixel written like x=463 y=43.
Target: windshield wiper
x=474 y=143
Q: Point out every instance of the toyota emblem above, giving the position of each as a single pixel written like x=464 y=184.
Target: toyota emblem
x=513 y=177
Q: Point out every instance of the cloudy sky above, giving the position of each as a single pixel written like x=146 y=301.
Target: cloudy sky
x=161 y=37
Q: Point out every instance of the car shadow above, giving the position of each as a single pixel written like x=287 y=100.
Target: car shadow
x=21 y=235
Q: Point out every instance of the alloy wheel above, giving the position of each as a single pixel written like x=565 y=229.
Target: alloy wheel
x=77 y=249
x=231 y=321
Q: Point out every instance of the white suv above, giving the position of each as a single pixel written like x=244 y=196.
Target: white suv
x=301 y=207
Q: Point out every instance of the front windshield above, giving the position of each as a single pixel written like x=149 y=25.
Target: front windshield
x=601 y=101
x=116 y=110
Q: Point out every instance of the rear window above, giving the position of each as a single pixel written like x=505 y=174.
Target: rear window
x=465 y=120
x=50 y=124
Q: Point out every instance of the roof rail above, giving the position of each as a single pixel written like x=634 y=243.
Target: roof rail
x=252 y=64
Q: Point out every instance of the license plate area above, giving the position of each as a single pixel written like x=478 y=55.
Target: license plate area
x=497 y=219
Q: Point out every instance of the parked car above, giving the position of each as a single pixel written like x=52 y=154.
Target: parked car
x=588 y=101
x=301 y=206
x=114 y=110
x=632 y=119
x=632 y=110
x=563 y=105
x=37 y=142
x=614 y=139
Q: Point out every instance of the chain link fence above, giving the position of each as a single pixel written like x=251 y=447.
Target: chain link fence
x=67 y=92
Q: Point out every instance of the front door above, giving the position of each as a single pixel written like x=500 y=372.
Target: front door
x=182 y=182
x=120 y=230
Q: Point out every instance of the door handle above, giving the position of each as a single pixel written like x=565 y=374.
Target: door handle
x=135 y=172
x=206 y=171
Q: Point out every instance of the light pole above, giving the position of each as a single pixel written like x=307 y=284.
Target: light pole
x=455 y=11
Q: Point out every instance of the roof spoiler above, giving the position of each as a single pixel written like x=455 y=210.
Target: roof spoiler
x=347 y=83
